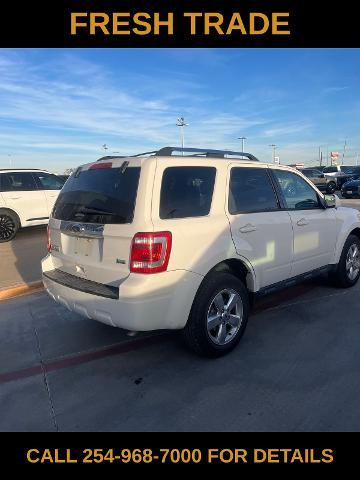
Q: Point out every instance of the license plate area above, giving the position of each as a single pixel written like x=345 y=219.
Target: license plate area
x=86 y=247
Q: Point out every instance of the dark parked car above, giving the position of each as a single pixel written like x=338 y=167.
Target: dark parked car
x=321 y=181
x=351 y=189
x=342 y=173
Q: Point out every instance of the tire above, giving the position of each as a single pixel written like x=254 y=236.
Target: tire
x=346 y=276
x=9 y=225
x=213 y=296
x=331 y=187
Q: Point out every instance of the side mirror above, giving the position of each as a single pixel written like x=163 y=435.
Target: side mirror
x=321 y=175
x=330 y=201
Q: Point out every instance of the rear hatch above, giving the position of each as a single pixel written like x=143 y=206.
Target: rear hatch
x=91 y=227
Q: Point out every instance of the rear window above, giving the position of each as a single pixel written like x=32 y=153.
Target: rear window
x=330 y=170
x=186 y=192
x=351 y=170
x=104 y=195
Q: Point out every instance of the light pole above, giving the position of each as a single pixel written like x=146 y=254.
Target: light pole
x=273 y=147
x=242 y=143
x=321 y=154
x=182 y=124
x=343 y=155
x=105 y=147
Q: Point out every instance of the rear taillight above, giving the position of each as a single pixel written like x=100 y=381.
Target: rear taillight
x=49 y=246
x=150 y=252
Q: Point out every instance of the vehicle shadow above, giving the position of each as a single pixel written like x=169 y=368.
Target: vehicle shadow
x=23 y=259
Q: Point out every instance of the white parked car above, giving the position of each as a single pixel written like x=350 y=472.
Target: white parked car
x=27 y=197
x=186 y=241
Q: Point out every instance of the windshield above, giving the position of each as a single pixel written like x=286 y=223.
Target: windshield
x=104 y=195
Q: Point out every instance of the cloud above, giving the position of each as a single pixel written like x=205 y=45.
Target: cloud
x=331 y=90
x=80 y=99
x=286 y=129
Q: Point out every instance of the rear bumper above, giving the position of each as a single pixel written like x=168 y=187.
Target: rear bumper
x=146 y=302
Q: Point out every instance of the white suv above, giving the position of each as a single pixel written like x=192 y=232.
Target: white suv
x=185 y=241
x=27 y=197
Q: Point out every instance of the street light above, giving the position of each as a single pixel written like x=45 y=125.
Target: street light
x=242 y=143
x=105 y=147
x=273 y=147
x=343 y=155
x=321 y=154
x=182 y=124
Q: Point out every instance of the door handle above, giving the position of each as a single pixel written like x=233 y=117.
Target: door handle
x=247 y=228
x=302 y=222
x=14 y=198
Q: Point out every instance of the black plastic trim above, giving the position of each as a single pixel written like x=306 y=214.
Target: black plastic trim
x=290 y=282
x=82 y=285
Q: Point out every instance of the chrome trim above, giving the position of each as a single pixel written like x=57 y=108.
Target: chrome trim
x=86 y=230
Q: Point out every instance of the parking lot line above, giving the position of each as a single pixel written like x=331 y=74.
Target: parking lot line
x=66 y=361
x=83 y=357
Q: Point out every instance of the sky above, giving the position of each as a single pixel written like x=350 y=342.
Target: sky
x=59 y=106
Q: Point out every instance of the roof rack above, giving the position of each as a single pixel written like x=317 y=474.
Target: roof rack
x=206 y=152
x=25 y=168
x=192 y=152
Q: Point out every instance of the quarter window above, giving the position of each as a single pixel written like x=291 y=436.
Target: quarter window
x=186 y=192
x=251 y=191
x=49 y=181
x=297 y=193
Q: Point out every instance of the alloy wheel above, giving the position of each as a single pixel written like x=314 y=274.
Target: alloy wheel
x=225 y=316
x=7 y=227
x=353 y=262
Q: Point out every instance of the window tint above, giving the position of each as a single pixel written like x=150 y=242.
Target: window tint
x=17 y=182
x=186 y=192
x=49 y=182
x=298 y=194
x=251 y=191
x=104 y=195
x=351 y=170
x=330 y=170
x=311 y=173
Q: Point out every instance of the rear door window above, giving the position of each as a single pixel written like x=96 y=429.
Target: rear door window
x=251 y=190
x=102 y=195
x=186 y=192
x=18 y=182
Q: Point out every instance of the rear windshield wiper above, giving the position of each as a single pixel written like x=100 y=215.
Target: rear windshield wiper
x=95 y=211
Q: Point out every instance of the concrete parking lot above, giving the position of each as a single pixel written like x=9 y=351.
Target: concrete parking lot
x=20 y=258
x=296 y=369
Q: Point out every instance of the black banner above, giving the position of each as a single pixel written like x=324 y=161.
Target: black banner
x=243 y=452
x=179 y=23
